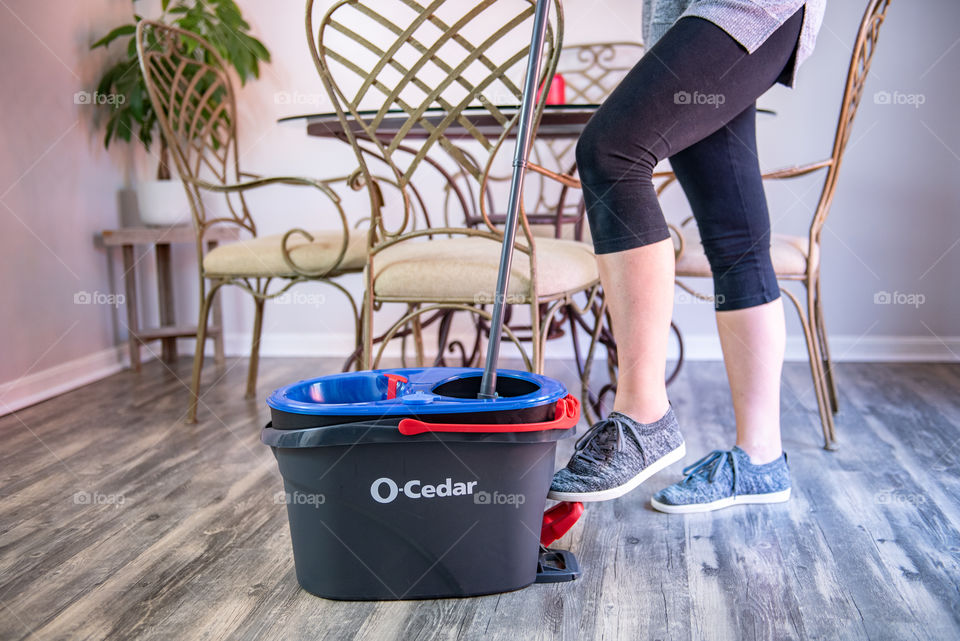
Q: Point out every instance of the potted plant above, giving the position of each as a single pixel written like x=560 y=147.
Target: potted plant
x=129 y=111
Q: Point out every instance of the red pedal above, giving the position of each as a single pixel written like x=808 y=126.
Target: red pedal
x=558 y=520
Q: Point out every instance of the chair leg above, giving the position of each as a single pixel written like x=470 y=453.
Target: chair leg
x=417 y=329
x=824 y=398
x=535 y=337
x=821 y=330
x=357 y=330
x=826 y=417
x=600 y=311
x=571 y=315
x=255 y=348
x=366 y=331
x=198 y=353
x=546 y=321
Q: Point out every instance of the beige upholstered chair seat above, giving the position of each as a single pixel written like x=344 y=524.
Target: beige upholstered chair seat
x=789 y=255
x=567 y=230
x=464 y=270
x=263 y=256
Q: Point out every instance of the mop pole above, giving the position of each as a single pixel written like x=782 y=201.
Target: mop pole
x=488 y=384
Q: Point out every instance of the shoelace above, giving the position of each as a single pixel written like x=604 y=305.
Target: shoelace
x=598 y=443
x=712 y=464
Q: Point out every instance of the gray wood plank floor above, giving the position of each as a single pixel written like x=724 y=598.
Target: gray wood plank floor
x=117 y=521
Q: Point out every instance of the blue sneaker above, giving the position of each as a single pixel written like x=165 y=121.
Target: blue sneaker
x=723 y=478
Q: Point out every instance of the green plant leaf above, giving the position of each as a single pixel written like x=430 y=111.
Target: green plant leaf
x=146 y=132
x=111 y=124
x=136 y=102
x=123 y=30
x=123 y=127
x=107 y=80
x=229 y=14
x=259 y=49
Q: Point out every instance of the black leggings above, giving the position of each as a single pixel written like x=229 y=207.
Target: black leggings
x=692 y=98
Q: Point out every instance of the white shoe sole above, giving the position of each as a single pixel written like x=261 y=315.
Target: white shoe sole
x=616 y=492
x=773 y=497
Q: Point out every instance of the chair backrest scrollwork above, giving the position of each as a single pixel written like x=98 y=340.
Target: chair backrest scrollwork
x=195 y=104
x=430 y=63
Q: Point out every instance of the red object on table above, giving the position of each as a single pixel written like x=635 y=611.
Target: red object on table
x=557 y=95
x=558 y=520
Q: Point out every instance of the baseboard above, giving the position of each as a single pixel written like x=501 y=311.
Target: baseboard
x=887 y=348
x=846 y=348
x=697 y=347
x=53 y=381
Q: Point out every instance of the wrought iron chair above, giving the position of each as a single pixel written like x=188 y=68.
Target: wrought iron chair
x=796 y=258
x=432 y=65
x=194 y=100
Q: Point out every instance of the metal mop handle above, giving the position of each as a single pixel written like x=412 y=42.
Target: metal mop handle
x=488 y=384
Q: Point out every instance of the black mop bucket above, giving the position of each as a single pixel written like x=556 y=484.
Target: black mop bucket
x=422 y=483
x=402 y=484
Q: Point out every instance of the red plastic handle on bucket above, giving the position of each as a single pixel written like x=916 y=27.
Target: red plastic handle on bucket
x=568 y=413
x=558 y=520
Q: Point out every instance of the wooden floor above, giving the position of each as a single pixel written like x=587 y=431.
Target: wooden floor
x=117 y=521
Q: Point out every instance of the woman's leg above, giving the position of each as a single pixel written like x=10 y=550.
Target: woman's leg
x=640 y=312
x=753 y=342
x=721 y=178
x=694 y=81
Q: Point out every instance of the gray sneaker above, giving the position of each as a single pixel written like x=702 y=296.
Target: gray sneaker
x=616 y=455
x=723 y=478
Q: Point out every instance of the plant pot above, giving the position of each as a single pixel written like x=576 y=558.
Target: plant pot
x=163 y=203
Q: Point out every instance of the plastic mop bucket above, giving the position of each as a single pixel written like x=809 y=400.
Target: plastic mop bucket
x=421 y=483
x=401 y=484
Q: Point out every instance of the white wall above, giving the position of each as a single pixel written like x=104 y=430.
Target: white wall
x=893 y=227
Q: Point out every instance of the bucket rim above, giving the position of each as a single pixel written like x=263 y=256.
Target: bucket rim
x=415 y=394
